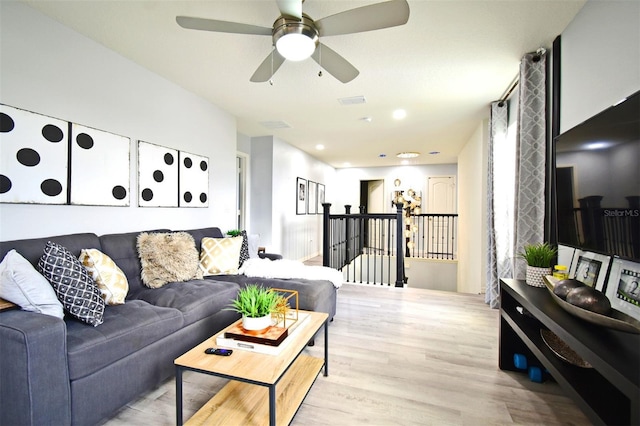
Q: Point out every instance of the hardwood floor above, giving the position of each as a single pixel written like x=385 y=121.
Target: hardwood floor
x=398 y=356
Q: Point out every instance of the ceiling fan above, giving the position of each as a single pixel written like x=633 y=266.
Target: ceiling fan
x=296 y=36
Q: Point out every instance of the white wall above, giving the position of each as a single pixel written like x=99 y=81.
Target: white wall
x=472 y=212
x=275 y=166
x=414 y=177
x=50 y=69
x=600 y=62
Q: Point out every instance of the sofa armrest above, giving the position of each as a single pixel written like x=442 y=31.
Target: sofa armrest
x=34 y=375
x=271 y=256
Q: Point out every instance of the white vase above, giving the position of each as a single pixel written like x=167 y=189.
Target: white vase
x=260 y=323
x=536 y=274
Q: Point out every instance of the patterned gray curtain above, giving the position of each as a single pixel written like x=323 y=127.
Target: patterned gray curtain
x=529 y=185
x=497 y=129
x=530 y=155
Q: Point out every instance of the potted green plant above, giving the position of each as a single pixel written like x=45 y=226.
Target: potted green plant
x=234 y=232
x=256 y=303
x=539 y=258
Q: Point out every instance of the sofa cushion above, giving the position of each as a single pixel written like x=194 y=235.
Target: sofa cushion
x=21 y=284
x=123 y=250
x=167 y=257
x=110 y=279
x=127 y=328
x=200 y=233
x=73 y=285
x=220 y=255
x=31 y=249
x=196 y=299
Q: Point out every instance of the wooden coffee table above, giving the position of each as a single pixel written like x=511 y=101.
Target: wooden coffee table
x=282 y=380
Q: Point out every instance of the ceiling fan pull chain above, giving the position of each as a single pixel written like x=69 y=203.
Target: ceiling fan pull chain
x=320 y=59
x=271 y=79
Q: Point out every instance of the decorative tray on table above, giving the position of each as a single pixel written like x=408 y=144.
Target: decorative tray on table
x=615 y=319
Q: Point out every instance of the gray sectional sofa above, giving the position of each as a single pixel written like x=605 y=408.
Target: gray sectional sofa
x=61 y=372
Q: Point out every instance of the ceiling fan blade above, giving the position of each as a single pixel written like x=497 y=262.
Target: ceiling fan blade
x=268 y=67
x=290 y=8
x=220 y=26
x=335 y=64
x=366 y=18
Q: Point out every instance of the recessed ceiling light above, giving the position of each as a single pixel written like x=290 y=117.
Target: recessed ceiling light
x=354 y=100
x=407 y=154
x=434 y=152
x=399 y=114
x=382 y=155
x=367 y=119
x=319 y=147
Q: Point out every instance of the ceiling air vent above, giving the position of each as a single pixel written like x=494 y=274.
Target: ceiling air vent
x=275 y=124
x=354 y=100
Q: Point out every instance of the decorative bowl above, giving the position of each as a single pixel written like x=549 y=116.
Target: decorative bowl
x=615 y=319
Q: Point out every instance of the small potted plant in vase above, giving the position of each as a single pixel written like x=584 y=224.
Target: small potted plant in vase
x=539 y=258
x=256 y=304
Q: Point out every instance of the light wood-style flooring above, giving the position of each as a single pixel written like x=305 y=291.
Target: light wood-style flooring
x=398 y=357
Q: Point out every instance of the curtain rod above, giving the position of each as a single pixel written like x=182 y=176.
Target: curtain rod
x=536 y=57
x=509 y=90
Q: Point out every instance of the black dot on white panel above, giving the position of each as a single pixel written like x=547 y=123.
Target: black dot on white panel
x=52 y=133
x=147 y=194
x=168 y=159
x=84 y=141
x=51 y=187
x=188 y=197
x=203 y=166
x=203 y=197
x=188 y=163
x=28 y=157
x=119 y=192
x=6 y=123
x=5 y=184
x=158 y=176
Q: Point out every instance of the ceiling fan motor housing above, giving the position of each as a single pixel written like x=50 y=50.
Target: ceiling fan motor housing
x=290 y=30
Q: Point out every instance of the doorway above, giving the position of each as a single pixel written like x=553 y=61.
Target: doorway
x=372 y=195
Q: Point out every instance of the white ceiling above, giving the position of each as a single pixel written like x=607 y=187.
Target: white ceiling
x=443 y=67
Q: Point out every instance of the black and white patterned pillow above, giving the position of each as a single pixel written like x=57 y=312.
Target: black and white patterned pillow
x=72 y=283
x=244 y=249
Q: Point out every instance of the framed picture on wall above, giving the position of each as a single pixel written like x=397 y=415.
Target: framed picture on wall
x=320 y=198
x=623 y=289
x=301 y=196
x=590 y=268
x=312 y=198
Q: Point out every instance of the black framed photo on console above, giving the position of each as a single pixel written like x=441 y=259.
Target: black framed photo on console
x=623 y=287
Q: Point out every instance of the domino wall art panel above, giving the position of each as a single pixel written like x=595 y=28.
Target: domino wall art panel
x=99 y=167
x=33 y=157
x=194 y=180
x=157 y=176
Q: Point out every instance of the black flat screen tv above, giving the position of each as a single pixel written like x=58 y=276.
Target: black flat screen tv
x=597 y=182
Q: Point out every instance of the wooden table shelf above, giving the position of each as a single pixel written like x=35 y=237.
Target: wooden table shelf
x=608 y=393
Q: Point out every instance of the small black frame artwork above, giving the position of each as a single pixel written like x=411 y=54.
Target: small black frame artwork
x=301 y=196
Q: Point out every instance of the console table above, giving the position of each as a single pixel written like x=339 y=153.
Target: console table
x=608 y=393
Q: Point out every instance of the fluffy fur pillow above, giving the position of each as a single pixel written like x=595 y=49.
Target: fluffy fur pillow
x=168 y=257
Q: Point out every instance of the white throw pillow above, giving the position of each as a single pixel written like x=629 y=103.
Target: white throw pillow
x=220 y=256
x=21 y=284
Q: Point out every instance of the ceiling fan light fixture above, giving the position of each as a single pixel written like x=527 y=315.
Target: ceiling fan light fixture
x=295 y=40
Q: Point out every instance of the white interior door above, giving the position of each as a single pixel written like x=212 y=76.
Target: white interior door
x=441 y=198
